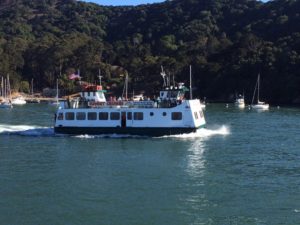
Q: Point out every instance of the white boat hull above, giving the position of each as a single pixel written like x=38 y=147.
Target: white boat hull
x=240 y=105
x=5 y=105
x=18 y=101
x=240 y=102
x=260 y=106
x=154 y=122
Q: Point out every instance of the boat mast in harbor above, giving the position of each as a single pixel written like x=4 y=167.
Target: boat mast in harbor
x=191 y=93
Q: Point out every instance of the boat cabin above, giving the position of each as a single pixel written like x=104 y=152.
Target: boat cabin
x=93 y=93
x=173 y=93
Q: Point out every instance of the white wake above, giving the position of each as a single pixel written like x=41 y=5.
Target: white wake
x=26 y=130
x=204 y=132
x=201 y=133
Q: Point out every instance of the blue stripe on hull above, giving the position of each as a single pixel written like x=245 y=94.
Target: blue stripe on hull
x=141 y=131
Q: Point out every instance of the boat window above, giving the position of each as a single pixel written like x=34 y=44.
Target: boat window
x=80 y=116
x=176 y=116
x=129 y=115
x=138 y=116
x=196 y=115
x=70 y=116
x=60 y=116
x=114 y=115
x=201 y=114
x=92 y=116
x=164 y=114
x=151 y=113
x=103 y=116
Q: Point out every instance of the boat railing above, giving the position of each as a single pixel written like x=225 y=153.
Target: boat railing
x=79 y=103
x=76 y=103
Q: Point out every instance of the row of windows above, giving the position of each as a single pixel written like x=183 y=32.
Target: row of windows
x=112 y=116
x=200 y=113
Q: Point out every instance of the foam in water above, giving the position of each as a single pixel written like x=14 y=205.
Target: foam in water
x=26 y=130
x=204 y=132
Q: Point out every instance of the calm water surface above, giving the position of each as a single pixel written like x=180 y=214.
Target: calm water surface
x=244 y=168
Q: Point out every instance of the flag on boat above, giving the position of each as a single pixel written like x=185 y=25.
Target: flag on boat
x=74 y=76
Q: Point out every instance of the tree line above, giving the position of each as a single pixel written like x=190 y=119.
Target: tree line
x=227 y=42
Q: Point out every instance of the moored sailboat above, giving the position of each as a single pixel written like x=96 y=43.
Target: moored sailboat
x=259 y=104
x=5 y=94
x=56 y=102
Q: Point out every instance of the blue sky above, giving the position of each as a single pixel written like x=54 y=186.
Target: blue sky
x=126 y=2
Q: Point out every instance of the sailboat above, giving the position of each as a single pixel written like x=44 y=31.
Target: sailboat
x=56 y=102
x=19 y=100
x=32 y=99
x=5 y=94
x=259 y=105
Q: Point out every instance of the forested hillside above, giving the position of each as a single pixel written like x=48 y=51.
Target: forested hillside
x=227 y=42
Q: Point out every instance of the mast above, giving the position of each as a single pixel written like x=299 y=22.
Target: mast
x=5 y=89
x=256 y=85
x=125 y=89
x=163 y=74
x=57 y=91
x=173 y=81
x=32 y=86
x=1 y=86
x=8 y=87
x=191 y=93
x=258 y=79
x=99 y=76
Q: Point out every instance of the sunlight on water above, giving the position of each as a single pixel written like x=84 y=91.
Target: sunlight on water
x=25 y=130
x=196 y=160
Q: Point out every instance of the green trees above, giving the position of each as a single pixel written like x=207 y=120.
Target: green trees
x=226 y=42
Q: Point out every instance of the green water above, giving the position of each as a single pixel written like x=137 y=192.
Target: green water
x=244 y=168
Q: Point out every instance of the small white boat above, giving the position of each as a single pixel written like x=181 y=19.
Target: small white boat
x=259 y=105
x=18 y=101
x=202 y=105
x=240 y=101
x=5 y=105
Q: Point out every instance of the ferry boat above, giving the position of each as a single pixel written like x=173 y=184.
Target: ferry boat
x=93 y=114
